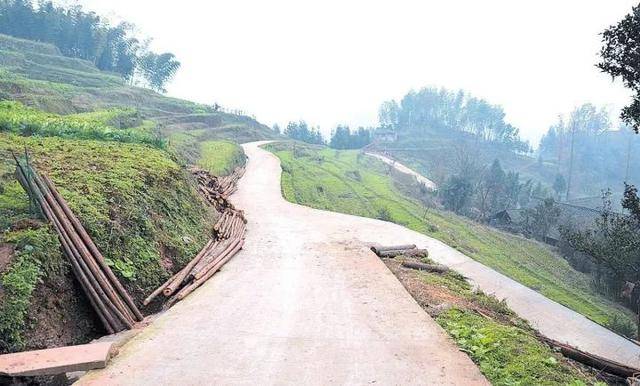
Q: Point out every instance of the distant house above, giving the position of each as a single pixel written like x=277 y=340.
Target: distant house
x=512 y=219
x=382 y=135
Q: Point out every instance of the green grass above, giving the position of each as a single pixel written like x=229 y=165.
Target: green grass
x=507 y=355
x=37 y=256
x=118 y=117
x=220 y=158
x=504 y=346
x=135 y=201
x=19 y=119
x=350 y=182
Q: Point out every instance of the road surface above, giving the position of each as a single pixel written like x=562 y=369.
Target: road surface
x=305 y=303
x=406 y=170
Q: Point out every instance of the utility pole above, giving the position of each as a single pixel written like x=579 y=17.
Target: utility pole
x=569 y=177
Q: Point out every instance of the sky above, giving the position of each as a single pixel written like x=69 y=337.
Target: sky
x=334 y=62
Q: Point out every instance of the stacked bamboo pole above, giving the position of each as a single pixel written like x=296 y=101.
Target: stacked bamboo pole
x=110 y=300
x=228 y=239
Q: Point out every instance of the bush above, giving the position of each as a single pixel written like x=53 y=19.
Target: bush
x=622 y=326
x=383 y=214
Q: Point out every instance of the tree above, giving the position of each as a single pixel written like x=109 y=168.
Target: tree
x=490 y=190
x=158 y=69
x=276 y=128
x=579 y=146
x=559 y=185
x=432 y=109
x=456 y=193
x=85 y=35
x=539 y=220
x=620 y=55
x=613 y=244
x=301 y=131
x=343 y=138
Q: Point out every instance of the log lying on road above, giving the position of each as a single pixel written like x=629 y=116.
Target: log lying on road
x=405 y=252
x=426 y=267
x=377 y=249
x=591 y=360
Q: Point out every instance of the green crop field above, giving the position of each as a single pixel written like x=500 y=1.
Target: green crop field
x=19 y=119
x=351 y=182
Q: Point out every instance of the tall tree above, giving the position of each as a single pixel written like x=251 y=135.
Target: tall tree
x=559 y=185
x=456 y=193
x=85 y=35
x=158 y=69
x=621 y=59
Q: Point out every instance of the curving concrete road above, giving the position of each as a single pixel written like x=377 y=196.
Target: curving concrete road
x=405 y=169
x=307 y=303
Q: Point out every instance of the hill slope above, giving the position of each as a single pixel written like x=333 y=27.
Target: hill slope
x=38 y=76
x=116 y=153
x=350 y=182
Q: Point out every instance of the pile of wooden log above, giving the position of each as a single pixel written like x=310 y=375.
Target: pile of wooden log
x=399 y=250
x=228 y=239
x=110 y=300
x=217 y=190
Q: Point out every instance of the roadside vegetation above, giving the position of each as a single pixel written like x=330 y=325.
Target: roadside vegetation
x=137 y=204
x=220 y=158
x=351 y=182
x=504 y=347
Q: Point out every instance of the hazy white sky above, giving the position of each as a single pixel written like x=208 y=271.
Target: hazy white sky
x=332 y=62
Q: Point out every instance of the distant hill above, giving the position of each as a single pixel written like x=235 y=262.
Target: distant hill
x=37 y=75
x=438 y=154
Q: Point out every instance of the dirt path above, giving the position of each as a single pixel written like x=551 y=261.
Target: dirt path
x=305 y=302
x=404 y=169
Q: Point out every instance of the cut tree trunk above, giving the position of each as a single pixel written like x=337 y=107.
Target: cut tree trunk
x=377 y=249
x=426 y=267
x=405 y=252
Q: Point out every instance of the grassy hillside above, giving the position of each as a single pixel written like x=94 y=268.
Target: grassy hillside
x=437 y=155
x=220 y=157
x=117 y=154
x=36 y=75
x=351 y=182
x=136 y=202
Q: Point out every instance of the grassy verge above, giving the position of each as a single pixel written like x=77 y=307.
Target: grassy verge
x=220 y=157
x=504 y=347
x=350 y=182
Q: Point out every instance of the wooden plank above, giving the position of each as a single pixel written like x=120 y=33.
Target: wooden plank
x=57 y=360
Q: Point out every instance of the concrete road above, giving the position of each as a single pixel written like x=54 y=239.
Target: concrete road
x=405 y=169
x=305 y=303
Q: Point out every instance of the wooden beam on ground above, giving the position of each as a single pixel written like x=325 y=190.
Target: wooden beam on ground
x=404 y=252
x=377 y=249
x=426 y=267
x=57 y=360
